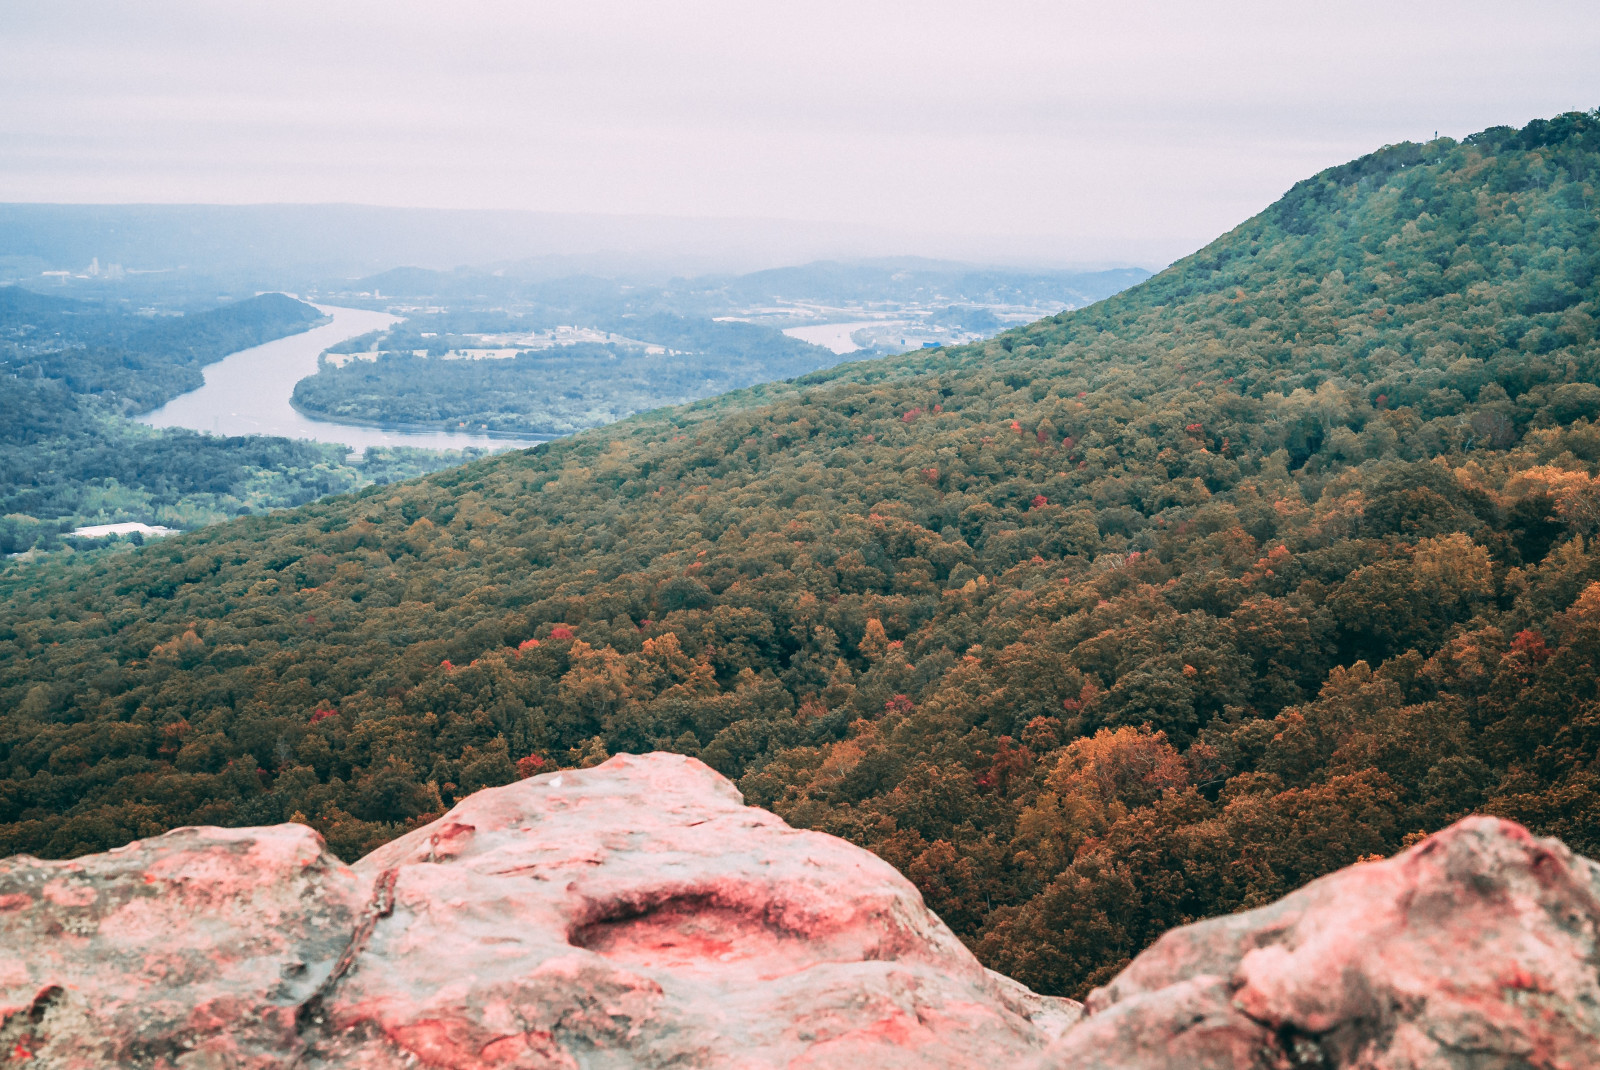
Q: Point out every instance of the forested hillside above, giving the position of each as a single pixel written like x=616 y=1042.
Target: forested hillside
x=1147 y=612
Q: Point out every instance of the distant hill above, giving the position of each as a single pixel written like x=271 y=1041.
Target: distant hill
x=900 y=281
x=930 y=281
x=1137 y=614
x=287 y=244
x=19 y=306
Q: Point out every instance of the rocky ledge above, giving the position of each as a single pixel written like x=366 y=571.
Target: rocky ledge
x=639 y=915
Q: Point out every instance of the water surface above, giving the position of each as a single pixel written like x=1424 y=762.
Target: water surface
x=834 y=336
x=247 y=393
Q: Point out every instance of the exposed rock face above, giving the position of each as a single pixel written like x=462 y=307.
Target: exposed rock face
x=632 y=915
x=202 y=940
x=638 y=915
x=1474 y=950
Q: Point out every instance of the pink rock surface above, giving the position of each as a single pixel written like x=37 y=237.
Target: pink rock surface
x=639 y=915
x=1474 y=950
x=632 y=915
x=195 y=948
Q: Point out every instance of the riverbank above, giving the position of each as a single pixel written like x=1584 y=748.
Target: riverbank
x=522 y=439
x=249 y=393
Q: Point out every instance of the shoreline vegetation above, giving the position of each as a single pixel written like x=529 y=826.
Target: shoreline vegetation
x=378 y=425
x=73 y=375
x=663 y=360
x=1137 y=614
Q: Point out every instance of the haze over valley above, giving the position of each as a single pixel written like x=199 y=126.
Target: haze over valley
x=428 y=367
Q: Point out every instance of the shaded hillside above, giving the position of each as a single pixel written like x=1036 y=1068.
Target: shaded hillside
x=1147 y=612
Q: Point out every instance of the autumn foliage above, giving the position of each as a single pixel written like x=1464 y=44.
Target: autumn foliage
x=1153 y=611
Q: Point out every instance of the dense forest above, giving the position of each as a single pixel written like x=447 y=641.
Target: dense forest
x=1145 y=612
x=72 y=372
x=551 y=391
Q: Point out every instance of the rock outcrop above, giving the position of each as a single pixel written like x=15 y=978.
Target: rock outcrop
x=632 y=915
x=1477 y=949
x=639 y=915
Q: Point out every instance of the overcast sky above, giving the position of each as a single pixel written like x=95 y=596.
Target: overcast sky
x=1106 y=132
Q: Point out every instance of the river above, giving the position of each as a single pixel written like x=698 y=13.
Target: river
x=834 y=336
x=247 y=393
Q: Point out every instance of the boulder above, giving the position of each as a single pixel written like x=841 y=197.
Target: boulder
x=636 y=914
x=196 y=948
x=1476 y=949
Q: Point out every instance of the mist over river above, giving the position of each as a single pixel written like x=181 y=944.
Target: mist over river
x=247 y=393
